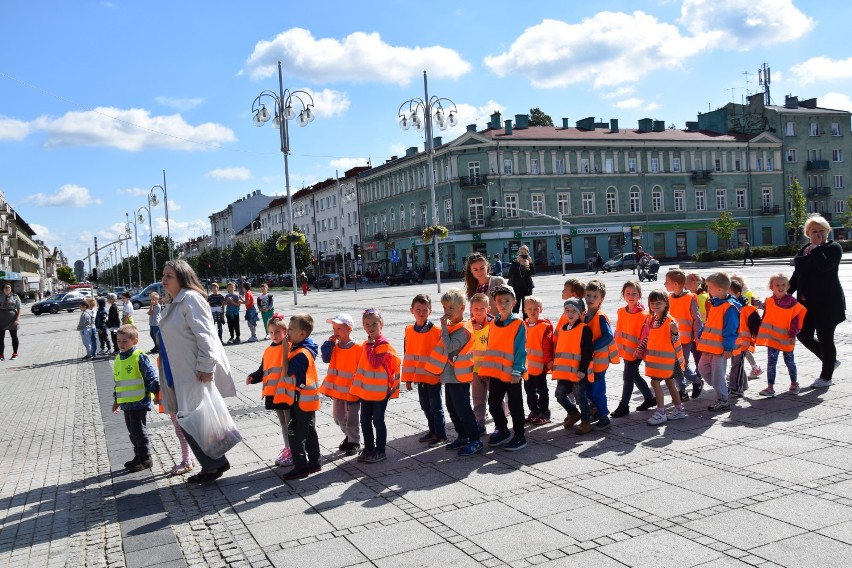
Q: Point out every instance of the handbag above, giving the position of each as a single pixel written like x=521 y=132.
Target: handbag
x=210 y=424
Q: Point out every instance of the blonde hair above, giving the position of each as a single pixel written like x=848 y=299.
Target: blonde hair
x=631 y=284
x=740 y=279
x=720 y=279
x=276 y=321
x=153 y=295
x=129 y=331
x=816 y=218
x=91 y=302
x=454 y=297
x=778 y=276
x=534 y=300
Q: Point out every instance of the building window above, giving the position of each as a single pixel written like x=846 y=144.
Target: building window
x=839 y=206
x=758 y=165
x=838 y=182
x=631 y=165
x=473 y=171
x=511 y=205
x=655 y=165
x=721 y=201
x=507 y=166
x=584 y=165
x=791 y=155
x=635 y=201
x=769 y=165
x=611 y=205
x=741 y=198
x=679 y=200
x=375 y=224
x=835 y=129
x=534 y=169
x=402 y=217
x=837 y=155
x=737 y=166
x=791 y=129
x=588 y=203
x=423 y=220
x=766 y=198
x=675 y=164
x=560 y=165
x=700 y=203
x=814 y=129
x=413 y=216
x=537 y=200
x=718 y=165
x=448 y=210
x=608 y=165
x=393 y=220
x=563 y=203
x=697 y=164
x=657 y=200
x=476 y=212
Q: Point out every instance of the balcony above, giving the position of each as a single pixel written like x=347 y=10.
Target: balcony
x=819 y=191
x=4 y=227
x=816 y=165
x=473 y=181
x=770 y=210
x=381 y=236
x=701 y=176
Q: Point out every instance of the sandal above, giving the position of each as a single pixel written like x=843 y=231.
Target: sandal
x=182 y=468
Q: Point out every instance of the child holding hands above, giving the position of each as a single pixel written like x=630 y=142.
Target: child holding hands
x=628 y=332
x=572 y=357
x=783 y=317
x=718 y=339
x=341 y=353
x=539 y=360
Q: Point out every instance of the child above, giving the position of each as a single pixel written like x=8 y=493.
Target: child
x=452 y=361
x=135 y=382
x=271 y=372
x=505 y=365
x=662 y=349
x=421 y=337
x=376 y=382
x=572 y=358
x=126 y=309
x=695 y=284
x=718 y=339
x=480 y=320
x=113 y=321
x=684 y=310
x=298 y=388
x=605 y=350
x=783 y=317
x=232 y=314
x=86 y=327
x=342 y=354
x=539 y=360
x=746 y=298
x=251 y=312
x=749 y=324
x=573 y=288
x=217 y=301
x=628 y=331
x=264 y=304
x=101 y=326
x=154 y=320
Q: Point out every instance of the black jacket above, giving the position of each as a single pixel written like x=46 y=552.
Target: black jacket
x=520 y=279
x=816 y=283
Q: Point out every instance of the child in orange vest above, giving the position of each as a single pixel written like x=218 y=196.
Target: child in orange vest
x=573 y=288
x=718 y=338
x=420 y=339
x=749 y=324
x=539 y=360
x=783 y=317
x=505 y=365
x=272 y=370
x=341 y=353
x=662 y=348
x=628 y=331
x=746 y=298
x=480 y=320
x=452 y=361
x=572 y=358
x=376 y=382
x=605 y=351
x=684 y=309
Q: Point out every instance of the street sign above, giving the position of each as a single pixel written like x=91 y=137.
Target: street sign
x=518 y=234
x=394 y=255
x=477 y=236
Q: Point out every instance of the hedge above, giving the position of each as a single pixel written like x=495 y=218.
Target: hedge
x=758 y=252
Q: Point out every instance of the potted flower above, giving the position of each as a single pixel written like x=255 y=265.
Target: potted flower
x=295 y=237
x=439 y=231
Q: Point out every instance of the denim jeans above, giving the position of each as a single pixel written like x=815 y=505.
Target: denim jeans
x=373 y=416
x=772 y=362
x=597 y=394
x=137 y=427
x=461 y=412
x=579 y=389
x=632 y=379
x=432 y=405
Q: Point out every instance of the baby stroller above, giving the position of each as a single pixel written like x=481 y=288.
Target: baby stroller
x=648 y=268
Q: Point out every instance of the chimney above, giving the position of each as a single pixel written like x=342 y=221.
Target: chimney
x=808 y=103
x=495 y=120
x=522 y=121
x=508 y=124
x=659 y=125
x=471 y=127
x=791 y=102
x=411 y=151
x=613 y=125
x=586 y=123
x=565 y=123
x=692 y=126
x=645 y=124
x=436 y=141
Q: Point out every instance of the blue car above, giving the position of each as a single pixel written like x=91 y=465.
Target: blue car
x=68 y=301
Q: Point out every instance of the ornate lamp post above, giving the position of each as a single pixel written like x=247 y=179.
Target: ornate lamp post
x=430 y=109
x=141 y=219
x=136 y=239
x=284 y=112
x=153 y=201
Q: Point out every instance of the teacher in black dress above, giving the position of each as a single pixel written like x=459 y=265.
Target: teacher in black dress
x=520 y=277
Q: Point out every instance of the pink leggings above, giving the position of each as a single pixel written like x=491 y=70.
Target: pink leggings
x=185 y=454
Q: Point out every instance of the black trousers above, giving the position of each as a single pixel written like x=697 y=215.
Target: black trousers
x=14 y=334
x=822 y=345
x=497 y=389
x=461 y=412
x=137 y=427
x=538 y=397
x=302 y=432
x=233 y=325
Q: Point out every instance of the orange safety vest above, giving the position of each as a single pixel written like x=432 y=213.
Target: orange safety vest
x=775 y=327
x=563 y=319
x=628 y=328
x=308 y=394
x=341 y=372
x=710 y=340
x=418 y=346
x=537 y=359
x=661 y=355
x=462 y=362
x=745 y=340
x=498 y=360
x=566 y=356
x=273 y=359
x=606 y=354
x=681 y=310
x=377 y=383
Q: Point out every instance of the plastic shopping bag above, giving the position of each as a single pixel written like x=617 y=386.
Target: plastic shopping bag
x=210 y=424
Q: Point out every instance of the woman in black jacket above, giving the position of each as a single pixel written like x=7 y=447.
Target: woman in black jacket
x=817 y=284
x=520 y=277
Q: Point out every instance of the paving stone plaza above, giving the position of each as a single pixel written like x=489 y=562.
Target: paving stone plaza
x=767 y=484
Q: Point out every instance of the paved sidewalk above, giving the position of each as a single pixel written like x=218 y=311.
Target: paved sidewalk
x=767 y=484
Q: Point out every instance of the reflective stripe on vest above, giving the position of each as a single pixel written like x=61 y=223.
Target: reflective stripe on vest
x=341 y=372
x=306 y=396
x=418 y=346
x=129 y=383
x=661 y=356
x=710 y=340
x=775 y=328
x=374 y=384
x=680 y=309
x=499 y=358
x=536 y=359
x=628 y=328
x=566 y=356
x=273 y=357
x=606 y=354
x=462 y=362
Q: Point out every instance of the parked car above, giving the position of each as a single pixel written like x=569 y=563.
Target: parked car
x=327 y=280
x=620 y=262
x=69 y=301
x=404 y=277
x=143 y=297
x=286 y=280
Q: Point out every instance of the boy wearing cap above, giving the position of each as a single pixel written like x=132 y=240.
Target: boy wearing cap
x=341 y=353
x=572 y=357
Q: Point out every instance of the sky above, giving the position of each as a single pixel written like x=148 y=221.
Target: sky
x=98 y=98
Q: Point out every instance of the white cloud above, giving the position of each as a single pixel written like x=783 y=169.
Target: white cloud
x=358 y=57
x=329 y=102
x=131 y=130
x=13 y=129
x=632 y=102
x=179 y=104
x=133 y=191
x=836 y=101
x=744 y=24
x=69 y=195
x=230 y=174
x=620 y=92
x=822 y=69
x=345 y=164
x=43 y=233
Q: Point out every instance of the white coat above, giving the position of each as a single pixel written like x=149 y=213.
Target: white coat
x=191 y=343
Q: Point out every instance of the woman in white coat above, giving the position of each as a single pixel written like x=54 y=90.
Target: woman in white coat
x=191 y=355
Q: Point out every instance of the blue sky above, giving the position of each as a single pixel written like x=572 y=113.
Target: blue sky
x=98 y=98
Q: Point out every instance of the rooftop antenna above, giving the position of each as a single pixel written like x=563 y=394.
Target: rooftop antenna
x=748 y=83
x=732 y=89
x=763 y=78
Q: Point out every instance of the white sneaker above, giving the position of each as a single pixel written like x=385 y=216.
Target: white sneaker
x=658 y=418
x=676 y=414
x=755 y=372
x=821 y=383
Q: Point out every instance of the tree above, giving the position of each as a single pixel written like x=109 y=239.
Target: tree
x=538 y=118
x=798 y=210
x=724 y=227
x=65 y=274
x=846 y=216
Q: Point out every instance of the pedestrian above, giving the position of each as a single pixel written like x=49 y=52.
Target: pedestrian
x=477 y=279
x=303 y=282
x=718 y=338
x=126 y=309
x=572 y=359
x=539 y=360
x=520 y=277
x=10 y=313
x=251 y=311
x=598 y=262
x=217 y=302
x=605 y=352
x=783 y=316
x=639 y=254
x=86 y=327
x=265 y=305
x=232 y=313
x=101 y=327
x=497 y=269
x=747 y=253
x=628 y=330
x=113 y=321
x=154 y=310
x=342 y=353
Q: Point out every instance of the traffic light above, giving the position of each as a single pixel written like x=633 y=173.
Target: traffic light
x=95 y=274
x=356 y=251
x=319 y=256
x=493 y=207
x=348 y=256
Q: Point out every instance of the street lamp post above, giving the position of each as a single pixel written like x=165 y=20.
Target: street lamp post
x=426 y=106
x=151 y=229
x=153 y=201
x=284 y=112
x=136 y=239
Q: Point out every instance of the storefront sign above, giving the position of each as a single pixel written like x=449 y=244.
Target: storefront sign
x=543 y=233
x=594 y=230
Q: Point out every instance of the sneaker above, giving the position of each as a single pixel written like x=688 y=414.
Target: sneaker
x=683 y=395
x=584 y=428
x=539 y=420
x=499 y=438
x=343 y=445
x=768 y=391
x=426 y=438
x=285 y=457
x=472 y=447
x=516 y=443
x=571 y=419
x=658 y=418
x=237 y=340
x=14 y=356
x=141 y=465
x=266 y=338
x=314 y=468
x=603 y=424
x=364 y=454
x=251 y=339
x=298 y=472
x=375 y=457
x=821 y=383
x=131 y=463
x=647 y=405
x=481 y=429
x=438 y=442
x=457 y=444
x=697 y=388
x=755 y=372
x=736 y=393
x=620 y=412
x=719 y=406
x=231 y=340
x=794 y=388
x=2 y=358
x=676 y=414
